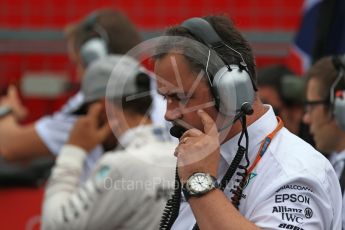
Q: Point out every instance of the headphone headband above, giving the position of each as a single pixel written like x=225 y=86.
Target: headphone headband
x=200 y=28
x=90 y=20
x=204 y=31
x=337 y=62
x=337 y=97
x=95 y=47
x=232 y=86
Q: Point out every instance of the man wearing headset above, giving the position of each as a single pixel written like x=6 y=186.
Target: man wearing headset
x=238 y=168
x=325 y=112
x=130 y=184
x=104 y=31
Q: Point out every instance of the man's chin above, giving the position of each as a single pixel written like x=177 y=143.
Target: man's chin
x=322 y=148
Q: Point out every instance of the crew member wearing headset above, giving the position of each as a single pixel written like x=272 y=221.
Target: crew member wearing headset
x=325 y=112
x=130 y=185
x=101 y=32
x=238 y=167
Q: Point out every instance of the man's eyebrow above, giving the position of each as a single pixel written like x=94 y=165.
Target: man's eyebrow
x=170 y=92
x=160 y=92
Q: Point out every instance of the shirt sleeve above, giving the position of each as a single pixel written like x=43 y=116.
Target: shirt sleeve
x=54 y=130
x=68 y=205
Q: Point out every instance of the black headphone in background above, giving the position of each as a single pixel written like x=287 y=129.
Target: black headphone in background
x=230 y=76
x=337 y=96
x=96 y=47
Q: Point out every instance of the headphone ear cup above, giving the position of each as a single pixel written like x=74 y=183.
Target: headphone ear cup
x=339 y=108
x=92 y=50
x=232 y=89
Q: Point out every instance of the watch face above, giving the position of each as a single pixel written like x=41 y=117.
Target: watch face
x=199 y=183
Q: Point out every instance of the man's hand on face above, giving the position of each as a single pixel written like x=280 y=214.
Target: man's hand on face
x=87 y=133
x=12 y=100
x=198 y=151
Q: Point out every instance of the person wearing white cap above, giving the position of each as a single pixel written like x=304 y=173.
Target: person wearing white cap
x=130 y=185
x=46 y=136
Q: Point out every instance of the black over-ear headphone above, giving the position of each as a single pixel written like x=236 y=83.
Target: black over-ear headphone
x=337 y=96
x=229 y=77
x=96 y=47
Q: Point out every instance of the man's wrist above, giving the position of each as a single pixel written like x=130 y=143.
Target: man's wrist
x=185 y=176
x=199 y=184
x=5 y=111
x=79 y=144
x=71 y=155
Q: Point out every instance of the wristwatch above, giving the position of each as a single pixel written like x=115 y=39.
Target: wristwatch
x=4 y=111
x=199 y=184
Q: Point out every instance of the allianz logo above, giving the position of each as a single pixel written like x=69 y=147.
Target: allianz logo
x=285 y=209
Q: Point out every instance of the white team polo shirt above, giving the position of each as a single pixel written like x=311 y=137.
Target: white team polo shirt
x=292 y=187
x=338 y=161
x=127 y=190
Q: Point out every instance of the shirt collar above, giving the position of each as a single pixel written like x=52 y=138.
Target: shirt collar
x=257 y=131
x=142 y=132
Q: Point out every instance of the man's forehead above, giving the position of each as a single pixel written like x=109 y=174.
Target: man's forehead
x=314 y=88
x=171 y=61
x=171 y=72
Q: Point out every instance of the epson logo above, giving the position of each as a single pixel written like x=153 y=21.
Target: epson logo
x=281 y=198
x=290 y=226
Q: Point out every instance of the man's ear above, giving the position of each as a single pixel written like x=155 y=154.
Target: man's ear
x=112 y=112
x=103 y=117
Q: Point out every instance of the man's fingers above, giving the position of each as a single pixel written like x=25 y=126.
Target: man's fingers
x=12 y=91
x=191 y=133
x=13 y=101
x=210 y=127
x=93 y=114
x=104 y=131
x=95 y=110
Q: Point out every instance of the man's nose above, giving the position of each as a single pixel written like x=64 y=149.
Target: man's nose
x=306 y=118
x=172 y=113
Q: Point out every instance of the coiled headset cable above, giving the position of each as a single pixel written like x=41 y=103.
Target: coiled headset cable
x=241 y=151
x=172 y=206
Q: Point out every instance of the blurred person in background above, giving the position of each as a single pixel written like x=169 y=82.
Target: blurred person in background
x=102 y=32
x=283 y=90
x=325 y=112
x=131 y=184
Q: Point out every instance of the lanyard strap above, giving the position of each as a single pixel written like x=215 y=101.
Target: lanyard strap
x=265 y=143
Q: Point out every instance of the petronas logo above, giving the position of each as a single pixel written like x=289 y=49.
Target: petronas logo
x=250 y=177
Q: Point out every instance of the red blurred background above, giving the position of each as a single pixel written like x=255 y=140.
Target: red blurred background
x=31 y=39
